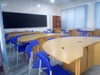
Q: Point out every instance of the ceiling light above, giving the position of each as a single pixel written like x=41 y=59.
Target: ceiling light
x=4 y=4
x=52 y=1
x=38 y=5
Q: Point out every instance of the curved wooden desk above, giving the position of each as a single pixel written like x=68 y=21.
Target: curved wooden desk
x=69 y=49
x=19 y=33
x=41 y=38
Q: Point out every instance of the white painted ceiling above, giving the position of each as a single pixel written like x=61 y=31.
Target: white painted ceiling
x=60 y=2
x=57 y=2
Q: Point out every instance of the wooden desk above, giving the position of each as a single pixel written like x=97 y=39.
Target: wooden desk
x=74 y=32
x=97 y=32
x=19 y=33
x=69 y=49
x=41 y=38
x=57 y=30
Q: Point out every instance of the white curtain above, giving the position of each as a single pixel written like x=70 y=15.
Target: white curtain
x=74 y=17
x=97 y=15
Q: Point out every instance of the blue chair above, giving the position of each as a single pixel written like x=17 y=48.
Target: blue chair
x=45 y=32
x=51 y=70
x=65 y=32
x=51 y=38
x=49 y=30
x=33 y=61
x=82 y=32
x=16 y=46
x=64 y=36
x=6 y=35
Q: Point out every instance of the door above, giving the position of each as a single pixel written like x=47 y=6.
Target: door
x=56 y=22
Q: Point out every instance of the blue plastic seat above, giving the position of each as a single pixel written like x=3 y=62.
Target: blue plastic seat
x=65 y=32
x=82 y=32
x=34 y=62
x=18 y=47
x=52 y=70
x=49 y=30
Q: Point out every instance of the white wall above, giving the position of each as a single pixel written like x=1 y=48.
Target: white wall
x=90 y=20
x=29 y=6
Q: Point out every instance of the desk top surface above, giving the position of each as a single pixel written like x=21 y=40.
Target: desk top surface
x=27 y=38
x=19 y=33
x=68 y=49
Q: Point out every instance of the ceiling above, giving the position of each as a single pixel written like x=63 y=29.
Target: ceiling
x=57 y=2
x=60 y=2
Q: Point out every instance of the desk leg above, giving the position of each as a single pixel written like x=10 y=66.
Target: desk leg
x=77 y=67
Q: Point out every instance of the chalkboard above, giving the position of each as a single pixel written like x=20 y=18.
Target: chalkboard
x=22 y=20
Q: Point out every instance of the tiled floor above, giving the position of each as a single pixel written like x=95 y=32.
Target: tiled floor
x=23 y=66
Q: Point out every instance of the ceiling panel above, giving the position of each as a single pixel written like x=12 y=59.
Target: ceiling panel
x=57 y=2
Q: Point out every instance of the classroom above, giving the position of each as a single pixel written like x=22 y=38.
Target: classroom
x=50 y=37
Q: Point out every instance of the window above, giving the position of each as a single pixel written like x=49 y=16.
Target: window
x=97 y=16
x=74 y=17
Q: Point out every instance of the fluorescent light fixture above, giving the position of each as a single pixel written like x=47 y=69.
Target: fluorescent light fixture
x=38 y=5
x=4 y=4
x=52 y=1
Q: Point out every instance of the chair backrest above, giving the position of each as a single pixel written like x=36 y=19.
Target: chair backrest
x=45 y=32
x=63 y=31
x=82 y=32
x=14 y=38
x=29 y=47
x=44 y=60
x=28 y=51
x=6 y=34
x=49 y=30
x=33 y=43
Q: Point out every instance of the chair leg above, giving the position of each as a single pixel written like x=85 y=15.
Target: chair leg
x=17 y=57
x=40 y=67
x=29 y=71
x=10 y=47
x=29 y=66
x=50 y=72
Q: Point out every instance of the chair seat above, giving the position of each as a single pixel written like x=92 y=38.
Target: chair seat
x=36 y=64
x=57 y=70
x=25 y=43
x=36 y=61
x=43 y=54
x=7 y=41
x=21 y=48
